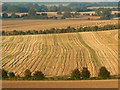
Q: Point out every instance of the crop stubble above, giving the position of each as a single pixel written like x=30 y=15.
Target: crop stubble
x=59 y=54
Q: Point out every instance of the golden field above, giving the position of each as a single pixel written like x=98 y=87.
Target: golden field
x=25 y=25
x=59 y=54
x=62 y=84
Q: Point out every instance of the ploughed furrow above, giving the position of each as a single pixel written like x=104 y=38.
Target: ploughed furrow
x=65 y=54
x=109 y=56
x=93 y=43
x=49 y=59
x=76 y=51
x=59 y=54
x=48 y=53
x=94 y=57
x=108 y=39
x=19 y=59
x=80 y=52
x=111 y=48
x=42 y=52
x=71 y=57
x=55 y=54
x=34 y=58
x=110 y=45
x=60 y=58
x=28 y=56
x=8 y=45
x=82 y=55
x=10 y=53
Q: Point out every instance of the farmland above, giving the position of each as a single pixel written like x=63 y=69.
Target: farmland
x=25 y=25
x=59 y=54
x=62 y=84
x=55 y=13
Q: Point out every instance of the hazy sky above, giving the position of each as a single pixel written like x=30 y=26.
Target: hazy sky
x=58 y=0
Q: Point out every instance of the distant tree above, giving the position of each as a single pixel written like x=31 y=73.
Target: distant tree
x=4 y=8
x=11 y=74
x=103 y=72
x=4 y=73
x=3 y=33
x=76 y=13
x=27 y=73
x=52 y=8
x=85 y=73
x=0 y=74
x=104 y=13
x=32 y=12
x=13 y=15
x=59 y=13
x=67 y=14
x=4 y=15
x=43 y=8
x=75 y=74
x=39 y=74
x=36 y=6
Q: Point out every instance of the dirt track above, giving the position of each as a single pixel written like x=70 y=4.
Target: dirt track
x=61 y=84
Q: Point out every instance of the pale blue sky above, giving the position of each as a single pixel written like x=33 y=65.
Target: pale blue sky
x=59 y=0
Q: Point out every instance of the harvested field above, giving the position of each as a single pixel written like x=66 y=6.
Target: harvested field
x=61 y=84
x=96 y=7
x=9 y=25
x=59 y=54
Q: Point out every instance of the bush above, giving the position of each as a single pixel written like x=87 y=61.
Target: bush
x=11 y=74
x=4 y=73
x=27 y=73
x=75 y=74
x=85 y=73
x=39 y=74
x=104 y=73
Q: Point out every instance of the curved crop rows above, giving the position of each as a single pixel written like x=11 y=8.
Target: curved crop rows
x=59 y=54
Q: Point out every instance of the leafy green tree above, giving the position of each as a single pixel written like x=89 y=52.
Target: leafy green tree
x=103 y=72
x=75 y=74
x=27 y=73
x=11 y=74
x=13 y=15
x=0 y=74
x=104 y=13
x=76 y=13
x=32 y=12
x=59 y=13
x=63 y=8
x=43 y=8
x=4 y=8
x=4 y=15
x=85 y=73
x=67 y=14
x=39 y=74
x=4 y=73
x=52 y=8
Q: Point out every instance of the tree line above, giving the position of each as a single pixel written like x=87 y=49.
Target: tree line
x=76 y=74
x=32 y=8
x=63 y=30
x=104 y=13
x=74 y=6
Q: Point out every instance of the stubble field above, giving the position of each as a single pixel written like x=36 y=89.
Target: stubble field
x=59 y=54
x=25 y=25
